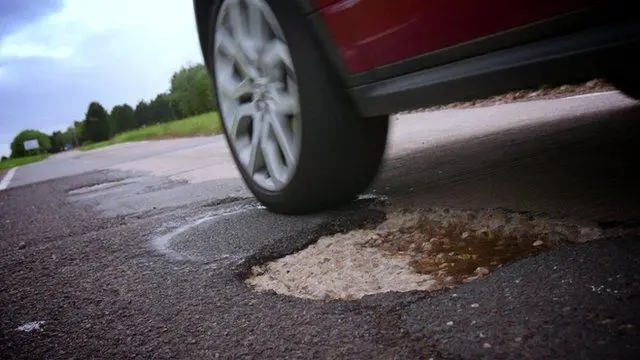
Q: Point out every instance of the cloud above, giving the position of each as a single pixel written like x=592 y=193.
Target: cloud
x=17 y=50
x=108 y=51
x=17 y=13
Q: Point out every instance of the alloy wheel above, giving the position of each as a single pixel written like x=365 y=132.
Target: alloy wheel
x=257 y=92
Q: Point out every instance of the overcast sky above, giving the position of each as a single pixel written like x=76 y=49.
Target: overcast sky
x=56 y=56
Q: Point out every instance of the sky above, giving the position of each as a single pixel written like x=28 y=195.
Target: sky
x=57 y=56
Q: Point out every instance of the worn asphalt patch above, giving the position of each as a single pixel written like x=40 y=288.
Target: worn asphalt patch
x=104 y=292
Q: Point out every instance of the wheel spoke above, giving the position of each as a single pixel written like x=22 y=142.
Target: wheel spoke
x=227 y=45
x=232 y=88
x=257 y=25
x=249 y=49
x=236 y=20
x=285 y=102
x=269 y=151
x=244 y=113
x=236 y=53
x=241 y=26
x=256 y=160
x=283 y=136
x=276 y=53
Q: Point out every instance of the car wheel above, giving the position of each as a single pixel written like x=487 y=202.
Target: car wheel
x=293 y=131
x=624 y=74
x=627 y=84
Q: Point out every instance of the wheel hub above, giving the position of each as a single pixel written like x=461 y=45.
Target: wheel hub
x=261 y=93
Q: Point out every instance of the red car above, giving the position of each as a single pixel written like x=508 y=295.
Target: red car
x=305 y=87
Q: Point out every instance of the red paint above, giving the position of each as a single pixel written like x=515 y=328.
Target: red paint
x=373 y=33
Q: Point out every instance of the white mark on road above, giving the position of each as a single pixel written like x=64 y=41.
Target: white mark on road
x=30 y=326
x=7 y=178
x=163 y=243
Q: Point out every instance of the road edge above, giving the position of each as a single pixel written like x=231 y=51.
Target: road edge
x=7 y=178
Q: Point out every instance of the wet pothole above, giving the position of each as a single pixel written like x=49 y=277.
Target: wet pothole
x=417 y=250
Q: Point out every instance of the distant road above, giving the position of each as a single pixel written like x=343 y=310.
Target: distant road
x=205 y=158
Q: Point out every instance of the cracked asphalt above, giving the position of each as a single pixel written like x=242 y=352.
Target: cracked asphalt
x=120 y=263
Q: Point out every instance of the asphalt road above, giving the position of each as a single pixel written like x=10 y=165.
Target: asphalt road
x=138 y=251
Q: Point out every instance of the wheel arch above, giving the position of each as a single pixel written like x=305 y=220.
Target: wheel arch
x=203 y=9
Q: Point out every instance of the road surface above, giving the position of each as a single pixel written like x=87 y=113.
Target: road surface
x=138 y=250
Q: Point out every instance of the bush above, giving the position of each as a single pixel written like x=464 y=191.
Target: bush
x=17 y=145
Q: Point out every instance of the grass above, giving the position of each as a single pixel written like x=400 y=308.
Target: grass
x=205 y=124
x=9 y=163
x=91 y=146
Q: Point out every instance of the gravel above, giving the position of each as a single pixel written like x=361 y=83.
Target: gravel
x=544 y=92
x=422 y=250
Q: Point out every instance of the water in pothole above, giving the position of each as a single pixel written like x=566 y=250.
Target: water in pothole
x=418 y=250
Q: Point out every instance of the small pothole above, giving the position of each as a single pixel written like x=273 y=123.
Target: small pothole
x=418 y=250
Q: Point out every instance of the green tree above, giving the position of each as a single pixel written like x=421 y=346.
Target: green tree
x=190 y=94
x=68 y=137
x=17 y=145
x=79 y=132
x=191 y=91
x=123 y=118
x=142 y=114
x=160 y=109
x=97 y=123
x=57 y=142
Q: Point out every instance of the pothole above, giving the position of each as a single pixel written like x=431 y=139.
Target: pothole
x=418 y=250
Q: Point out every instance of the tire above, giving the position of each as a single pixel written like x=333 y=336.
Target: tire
x=624 y=74
x=627 y=84
x=340 y=152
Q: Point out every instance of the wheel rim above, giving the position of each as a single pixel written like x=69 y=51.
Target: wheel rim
x=257 y=91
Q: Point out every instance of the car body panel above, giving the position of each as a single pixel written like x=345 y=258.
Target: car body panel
x=571 y=58
x=387 y=62
x=374 y=33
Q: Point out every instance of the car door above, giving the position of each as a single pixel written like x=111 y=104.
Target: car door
x=373 y=33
